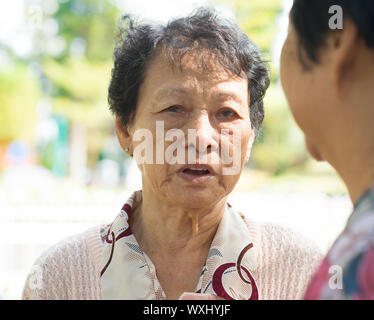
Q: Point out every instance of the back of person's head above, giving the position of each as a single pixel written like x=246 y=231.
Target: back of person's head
x=310 y=20
x=327 y=73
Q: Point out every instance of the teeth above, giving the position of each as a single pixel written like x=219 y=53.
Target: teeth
x=197 y=169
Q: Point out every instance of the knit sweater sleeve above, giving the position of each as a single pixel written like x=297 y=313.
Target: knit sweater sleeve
x=288 y=261
x=66 y=271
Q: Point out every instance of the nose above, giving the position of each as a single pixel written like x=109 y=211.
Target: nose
x=201 y=134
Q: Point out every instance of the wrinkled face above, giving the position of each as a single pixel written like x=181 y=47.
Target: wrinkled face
x=307 y=93
x=198 y=122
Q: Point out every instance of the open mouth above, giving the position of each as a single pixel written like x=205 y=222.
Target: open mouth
x=196 y=174
x=196 y=171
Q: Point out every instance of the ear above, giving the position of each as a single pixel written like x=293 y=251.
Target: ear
x=124 y=136
x=249 y=146
x=344 y=44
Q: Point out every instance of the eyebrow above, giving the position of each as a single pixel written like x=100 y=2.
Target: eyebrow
x=169 y=91
x=182 y=91
x=229 y=95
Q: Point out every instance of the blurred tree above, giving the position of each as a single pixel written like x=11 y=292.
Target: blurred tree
x=79 y=80
x=257 y=18
x=87 y=26
x=19 y=92
x=80 y=91
x=79 y=74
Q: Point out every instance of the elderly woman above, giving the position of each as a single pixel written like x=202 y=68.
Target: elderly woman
x=187 y=99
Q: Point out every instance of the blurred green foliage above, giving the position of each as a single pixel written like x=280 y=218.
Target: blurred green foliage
x=80 y=95
x=80 y=76
x=280 y=144
x=19 y=92
x=91 y=20
x=258 y=18
x=91 y=24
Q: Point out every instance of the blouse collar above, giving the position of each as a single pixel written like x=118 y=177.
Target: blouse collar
x=229 y=272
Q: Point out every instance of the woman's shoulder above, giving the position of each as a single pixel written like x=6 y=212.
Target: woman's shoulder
x=75 y=247
x=287 y=260
x=273 y=233
x=281 y=233
x=285 y=246
x=68 y=269
x=283 y=241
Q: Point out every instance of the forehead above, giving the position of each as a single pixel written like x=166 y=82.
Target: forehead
x=195 y=69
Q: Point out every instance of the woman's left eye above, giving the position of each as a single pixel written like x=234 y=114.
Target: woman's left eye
x=227 y=113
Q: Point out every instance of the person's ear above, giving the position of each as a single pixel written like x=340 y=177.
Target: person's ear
x=344 y=43
x=124 y=136
x=249 y=146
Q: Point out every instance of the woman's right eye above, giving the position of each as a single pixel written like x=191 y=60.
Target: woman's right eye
x=173 y=109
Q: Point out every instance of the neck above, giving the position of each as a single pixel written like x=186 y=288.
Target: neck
x=358 y=185
x=167 y=228
x=356 y=168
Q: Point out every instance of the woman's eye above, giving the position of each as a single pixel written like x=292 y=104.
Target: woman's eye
x=174 y=109
x=227 y=114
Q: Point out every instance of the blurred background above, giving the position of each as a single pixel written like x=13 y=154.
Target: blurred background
x=61 y=168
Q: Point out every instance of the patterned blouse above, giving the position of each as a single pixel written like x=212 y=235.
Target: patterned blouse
x=347 y=272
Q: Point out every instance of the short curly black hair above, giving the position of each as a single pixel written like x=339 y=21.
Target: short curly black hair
x=205 y=30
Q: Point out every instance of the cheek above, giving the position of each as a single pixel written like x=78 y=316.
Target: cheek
x=296 y=85
x=246 y=141
x=290 y=71
x=227 y=183
x=289 y=76
x=303 y=94
x=155 y=176
x=235 y=144
x=239 y=154
x=284 y=68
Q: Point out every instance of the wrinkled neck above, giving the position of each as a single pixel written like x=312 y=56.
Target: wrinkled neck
x=165 y=227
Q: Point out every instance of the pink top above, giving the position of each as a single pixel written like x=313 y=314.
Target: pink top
x=285 y=262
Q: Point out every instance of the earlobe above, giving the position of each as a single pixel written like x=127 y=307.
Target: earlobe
x=123 y=135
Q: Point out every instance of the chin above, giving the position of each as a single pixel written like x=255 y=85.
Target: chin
x=195 y=197
x=313 y=151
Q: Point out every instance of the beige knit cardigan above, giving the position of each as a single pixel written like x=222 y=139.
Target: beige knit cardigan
x=71 y=268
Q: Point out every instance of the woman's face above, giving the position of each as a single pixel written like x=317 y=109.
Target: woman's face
x=306 y=91
x=201 y=104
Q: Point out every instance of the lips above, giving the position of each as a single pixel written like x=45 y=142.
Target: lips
x=197 y=169
x=196 y=173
